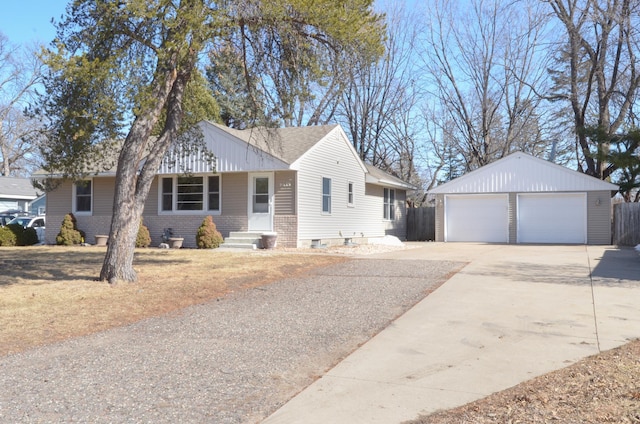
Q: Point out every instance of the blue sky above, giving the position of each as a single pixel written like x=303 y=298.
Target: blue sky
x=30 y=20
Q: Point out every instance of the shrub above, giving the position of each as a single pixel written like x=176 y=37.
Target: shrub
x=68 y=234
x=143 y=239
x=29 y=237
x=208 y=237
x=24 y=236
x=83 y=236
x=7 y=237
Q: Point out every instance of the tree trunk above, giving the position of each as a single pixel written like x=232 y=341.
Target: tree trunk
x=131 y=188
x=128 y=204
x=133 y=182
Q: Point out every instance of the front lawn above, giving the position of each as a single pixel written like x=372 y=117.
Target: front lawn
x=49 y=293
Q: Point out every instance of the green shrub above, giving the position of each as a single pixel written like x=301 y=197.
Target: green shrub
x=24 y=237
x=29 y=237
x=7 y=237
x=143 y=239
x=68 y=234
x=208 y=237
x=83 y=236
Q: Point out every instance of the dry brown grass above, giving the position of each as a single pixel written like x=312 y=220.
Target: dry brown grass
x=49 y=293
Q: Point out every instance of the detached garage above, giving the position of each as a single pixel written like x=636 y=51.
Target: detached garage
x=523 y=199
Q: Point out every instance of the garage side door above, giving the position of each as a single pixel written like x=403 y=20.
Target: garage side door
x=552 y=218
x=477 y=218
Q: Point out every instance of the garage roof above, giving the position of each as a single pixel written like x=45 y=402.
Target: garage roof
x=520 y=172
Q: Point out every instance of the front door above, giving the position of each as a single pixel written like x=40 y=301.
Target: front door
x=261 y=202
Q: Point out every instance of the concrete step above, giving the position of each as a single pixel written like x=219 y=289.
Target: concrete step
x=245 y=234
x=243 y=240
x=227 y=245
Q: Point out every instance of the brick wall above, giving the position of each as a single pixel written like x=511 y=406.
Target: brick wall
x=182 y=226
x=287 y=228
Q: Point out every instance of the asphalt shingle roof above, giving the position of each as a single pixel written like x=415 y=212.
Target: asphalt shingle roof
x=12 y=187
x=287 y=144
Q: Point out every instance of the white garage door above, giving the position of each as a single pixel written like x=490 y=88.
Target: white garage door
x=479 y=218
x=552 y=218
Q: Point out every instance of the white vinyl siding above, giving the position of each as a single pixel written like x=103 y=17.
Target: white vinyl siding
x=364 y=217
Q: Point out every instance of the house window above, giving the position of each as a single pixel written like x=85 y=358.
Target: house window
x=350 y=194
x=167 y=194
x=214 y=193
x=82 y=197
x=326 y=195
x=389 y=204
x=189 y=194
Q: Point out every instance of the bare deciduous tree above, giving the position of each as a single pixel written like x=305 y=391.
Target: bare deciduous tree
x=379 y=107
x=483 y=60
x=596 y=74
x=19 y=77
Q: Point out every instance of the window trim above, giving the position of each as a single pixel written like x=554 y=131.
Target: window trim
x=326 y=196
x=389 y=204
x=74 y=198
x=351 y=196
x=174 y=195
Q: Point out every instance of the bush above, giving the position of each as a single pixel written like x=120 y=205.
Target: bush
x=69 y=234
x=83 y=236
x=7 y=237
x=208 y=237
x=29 y=237
x=24 y=236
x=143 y=239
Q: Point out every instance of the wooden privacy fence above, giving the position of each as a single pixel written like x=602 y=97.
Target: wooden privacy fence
x=626 y=224
x=421 y=224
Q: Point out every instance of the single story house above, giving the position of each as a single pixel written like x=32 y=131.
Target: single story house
x=306 y=184
x=16 y=194
x=523 y=199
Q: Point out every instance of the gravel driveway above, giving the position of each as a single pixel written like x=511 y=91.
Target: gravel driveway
x=231 y=361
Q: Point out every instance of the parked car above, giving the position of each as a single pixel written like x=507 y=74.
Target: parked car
x=5 y=218
x=35 y=222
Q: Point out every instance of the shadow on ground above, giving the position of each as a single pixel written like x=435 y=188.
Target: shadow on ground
x=616 y=268
x=60 y=264
x=621 y=264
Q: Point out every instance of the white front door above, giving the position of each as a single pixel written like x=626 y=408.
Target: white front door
x=261 y=201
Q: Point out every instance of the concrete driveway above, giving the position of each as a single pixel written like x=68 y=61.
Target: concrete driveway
x=514 y=312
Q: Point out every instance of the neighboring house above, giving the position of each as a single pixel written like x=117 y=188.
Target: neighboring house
x=16 y=194
x=306 y=184
x=523 y=199
x=39 y=205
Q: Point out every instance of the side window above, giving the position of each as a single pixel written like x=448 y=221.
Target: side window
x=82 y=193
x=214 y=193
x=326 y=195
x=167 y=194
x=350 y=198
x=389 y=204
